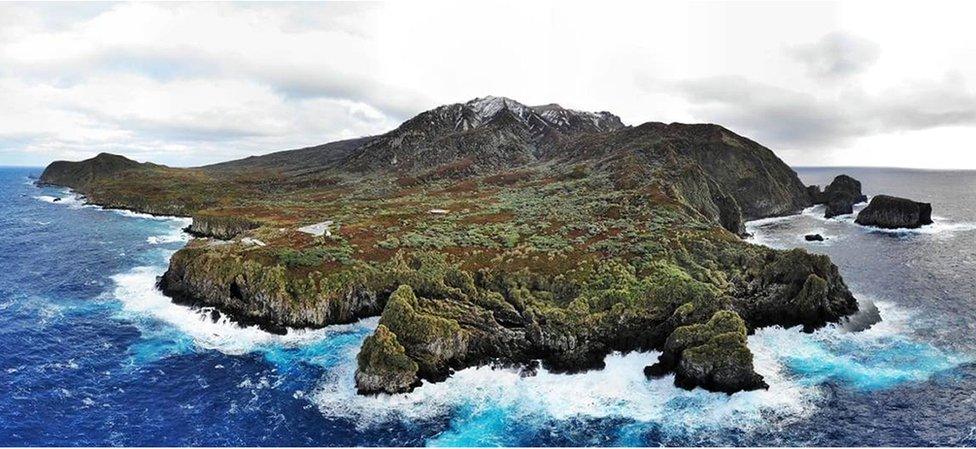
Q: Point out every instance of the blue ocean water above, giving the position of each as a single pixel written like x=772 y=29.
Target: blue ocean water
x=92 y=354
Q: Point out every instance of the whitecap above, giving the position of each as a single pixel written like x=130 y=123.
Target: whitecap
x=141 y=300
x=175 y=236
x=620 y=390
x=940 y=225
x=879 y=357
x=483 y=403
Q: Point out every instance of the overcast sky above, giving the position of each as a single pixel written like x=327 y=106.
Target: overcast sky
x=865 y=83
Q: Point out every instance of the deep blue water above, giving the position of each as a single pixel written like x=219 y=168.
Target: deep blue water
x=92 y=354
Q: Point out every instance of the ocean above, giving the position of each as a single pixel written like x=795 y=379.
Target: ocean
x=92 y=354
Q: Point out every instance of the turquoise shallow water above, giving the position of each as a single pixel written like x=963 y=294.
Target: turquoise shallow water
x=94 y=355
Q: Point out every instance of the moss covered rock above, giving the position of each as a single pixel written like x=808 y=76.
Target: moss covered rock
x=383 y=366
x=712 y=355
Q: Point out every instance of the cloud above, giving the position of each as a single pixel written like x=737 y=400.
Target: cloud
x=788 y=118
x=777 y=116
x=837 y=56
x=192 y=83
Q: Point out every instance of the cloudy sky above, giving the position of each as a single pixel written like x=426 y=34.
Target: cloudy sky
x=859 y=83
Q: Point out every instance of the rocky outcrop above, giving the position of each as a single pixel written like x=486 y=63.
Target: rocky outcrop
x=840 y=196
x=813 y=238
x=712 y=355
x=891 y=212
x=459 y=320
x=220 y=227
x=268 y=296
x=793 y=288
x=78 y=175
x=384 y=365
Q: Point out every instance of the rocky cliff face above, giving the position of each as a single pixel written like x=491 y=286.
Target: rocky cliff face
x=220 y=227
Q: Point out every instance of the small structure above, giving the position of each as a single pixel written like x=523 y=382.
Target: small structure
x=318 y=229
x=440 y=211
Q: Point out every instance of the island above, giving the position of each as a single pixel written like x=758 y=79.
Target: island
x=491 y=232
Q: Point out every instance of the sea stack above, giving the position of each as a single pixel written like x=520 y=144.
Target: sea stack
x=840 y=196
x=891 y=212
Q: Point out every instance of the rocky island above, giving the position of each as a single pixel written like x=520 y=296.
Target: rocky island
x=495 y=232
x=890 y=212
x=839 y=196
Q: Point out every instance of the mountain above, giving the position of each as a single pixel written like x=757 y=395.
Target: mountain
x=741 y=179
x=495 y=232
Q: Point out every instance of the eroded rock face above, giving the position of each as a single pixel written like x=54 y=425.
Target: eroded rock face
x=840 y=196
x=891 y=212
x=220 y=227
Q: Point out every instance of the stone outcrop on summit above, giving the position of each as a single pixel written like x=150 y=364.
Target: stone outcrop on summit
x=559 y=236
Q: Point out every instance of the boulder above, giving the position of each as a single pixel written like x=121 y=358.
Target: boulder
x=892 y=212
x=813 y=238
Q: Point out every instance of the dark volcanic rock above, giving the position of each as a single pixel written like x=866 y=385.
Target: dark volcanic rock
x=813 y=238
x=816 y=195
x=840 y=196
x=844 y=185
x=891 y=212
x=839 y=206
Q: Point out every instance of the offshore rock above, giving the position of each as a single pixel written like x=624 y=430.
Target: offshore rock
x=891 y=212
x=840 y=196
